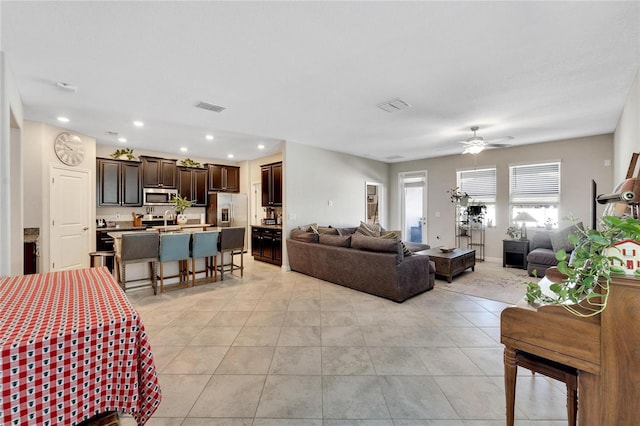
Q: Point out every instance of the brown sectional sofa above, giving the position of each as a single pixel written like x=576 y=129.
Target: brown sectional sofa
x=370 y=264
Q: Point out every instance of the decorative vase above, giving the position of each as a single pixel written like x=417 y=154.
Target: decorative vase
x=181 y=219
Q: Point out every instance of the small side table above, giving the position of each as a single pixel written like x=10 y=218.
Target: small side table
x=514 y=252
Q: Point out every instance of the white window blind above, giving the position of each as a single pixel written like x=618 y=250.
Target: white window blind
x=535 y=183
x=480 y=184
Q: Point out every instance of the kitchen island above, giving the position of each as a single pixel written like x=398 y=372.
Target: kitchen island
x=139 y=271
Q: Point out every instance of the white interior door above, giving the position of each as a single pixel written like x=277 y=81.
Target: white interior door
x=413 y=193
x=69 y=207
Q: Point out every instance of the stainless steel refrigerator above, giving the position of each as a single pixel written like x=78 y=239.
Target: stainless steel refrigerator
x=228 y=210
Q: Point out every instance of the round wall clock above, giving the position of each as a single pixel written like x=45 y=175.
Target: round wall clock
x=69 y=149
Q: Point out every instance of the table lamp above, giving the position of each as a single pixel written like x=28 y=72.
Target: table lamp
x=524 y=217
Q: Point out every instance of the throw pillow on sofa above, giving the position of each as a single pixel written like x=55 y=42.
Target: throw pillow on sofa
x=368 y=229
x=312 y=227
x=560 y=239
x=395 y=235
x=335 y=240
x=327 y=230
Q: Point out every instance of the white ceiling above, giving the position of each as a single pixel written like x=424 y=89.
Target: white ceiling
x=313 y=72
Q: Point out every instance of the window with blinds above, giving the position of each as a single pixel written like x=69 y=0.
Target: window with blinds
x=480 y=184
x=534 y=184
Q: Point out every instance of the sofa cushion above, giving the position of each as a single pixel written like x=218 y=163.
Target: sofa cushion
x=369 y=229
x=335 y=240
x=304 y=236
x=363 y=242
x=414 y=247
x=395 y=235
x=542 y=256
x=541 y=239
x=560 y=238
x=328 y=230
x=346 y=231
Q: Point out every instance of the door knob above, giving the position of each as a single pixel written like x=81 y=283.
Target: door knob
x=85 y=228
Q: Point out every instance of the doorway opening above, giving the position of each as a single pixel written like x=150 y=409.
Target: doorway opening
x=413 y=194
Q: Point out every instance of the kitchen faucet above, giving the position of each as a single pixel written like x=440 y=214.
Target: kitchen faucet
x=165 y=217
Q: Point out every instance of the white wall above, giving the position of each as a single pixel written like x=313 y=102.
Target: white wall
x=11 y=198
x=38 y=139
x=313 y=177
x=627 y=135
x=582 y=159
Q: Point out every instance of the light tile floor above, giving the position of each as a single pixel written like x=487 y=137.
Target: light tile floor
x=282 y=348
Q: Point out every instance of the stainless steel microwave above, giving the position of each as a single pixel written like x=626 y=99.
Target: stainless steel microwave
x=158 y=196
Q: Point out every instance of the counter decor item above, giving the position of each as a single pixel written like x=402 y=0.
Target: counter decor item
x=180 y=204
x=512 y=232
x=123 y=154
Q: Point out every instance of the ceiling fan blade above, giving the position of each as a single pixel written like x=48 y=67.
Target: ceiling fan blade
x=498 y=145
x=499 y=140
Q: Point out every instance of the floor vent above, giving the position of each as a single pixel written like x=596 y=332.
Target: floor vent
x=210 y=107
x=394 y=105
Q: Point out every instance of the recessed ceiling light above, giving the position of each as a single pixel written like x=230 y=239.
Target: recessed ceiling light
x=138 y=123
x=63 y=119
x=123 y=140
x=260 y=146
x=209 y=137
x=183 y=149
x=230 y=156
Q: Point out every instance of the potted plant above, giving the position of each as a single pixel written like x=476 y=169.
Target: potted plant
x=512 y=232
x=121 y=154
x=584 y=287
x=180 y=204
x=457 y=196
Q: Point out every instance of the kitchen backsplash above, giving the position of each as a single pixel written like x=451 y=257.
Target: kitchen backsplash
x=124 y=214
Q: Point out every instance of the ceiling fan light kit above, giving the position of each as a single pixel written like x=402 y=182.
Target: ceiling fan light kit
x=476 y=144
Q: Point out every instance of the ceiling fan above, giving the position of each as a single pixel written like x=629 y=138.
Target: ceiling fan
x=476 y=144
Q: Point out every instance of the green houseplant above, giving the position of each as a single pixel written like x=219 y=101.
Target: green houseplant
x=180 y=204
x=124 y=152
x=585 y=287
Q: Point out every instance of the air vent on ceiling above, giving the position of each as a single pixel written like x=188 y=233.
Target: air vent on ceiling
x=111 y=133
x=394 y=105
x=210 y=107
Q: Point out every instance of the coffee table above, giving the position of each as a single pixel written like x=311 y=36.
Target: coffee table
x=452 y=263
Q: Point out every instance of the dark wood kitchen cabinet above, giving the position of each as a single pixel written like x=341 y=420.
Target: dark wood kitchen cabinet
x=192 y=184
x=158 y=172
x=266 y=244
x=224 y=178
x=119 y=183
x=271 y=178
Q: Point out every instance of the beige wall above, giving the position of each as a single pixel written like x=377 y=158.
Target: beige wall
x=313 y=177
x=581 y=160
x=38 y=141
x=627 y=135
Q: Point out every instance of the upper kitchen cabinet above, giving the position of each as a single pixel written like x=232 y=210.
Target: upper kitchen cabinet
x=192 y=184
x=119 y=183
x=271 y=178
x=224 y=178
x=158 y=172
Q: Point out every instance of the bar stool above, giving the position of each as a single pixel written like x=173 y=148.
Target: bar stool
x=100 y=258
x=137 y=247
x=175 y=248
x=232 y=242
x=204 y=244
